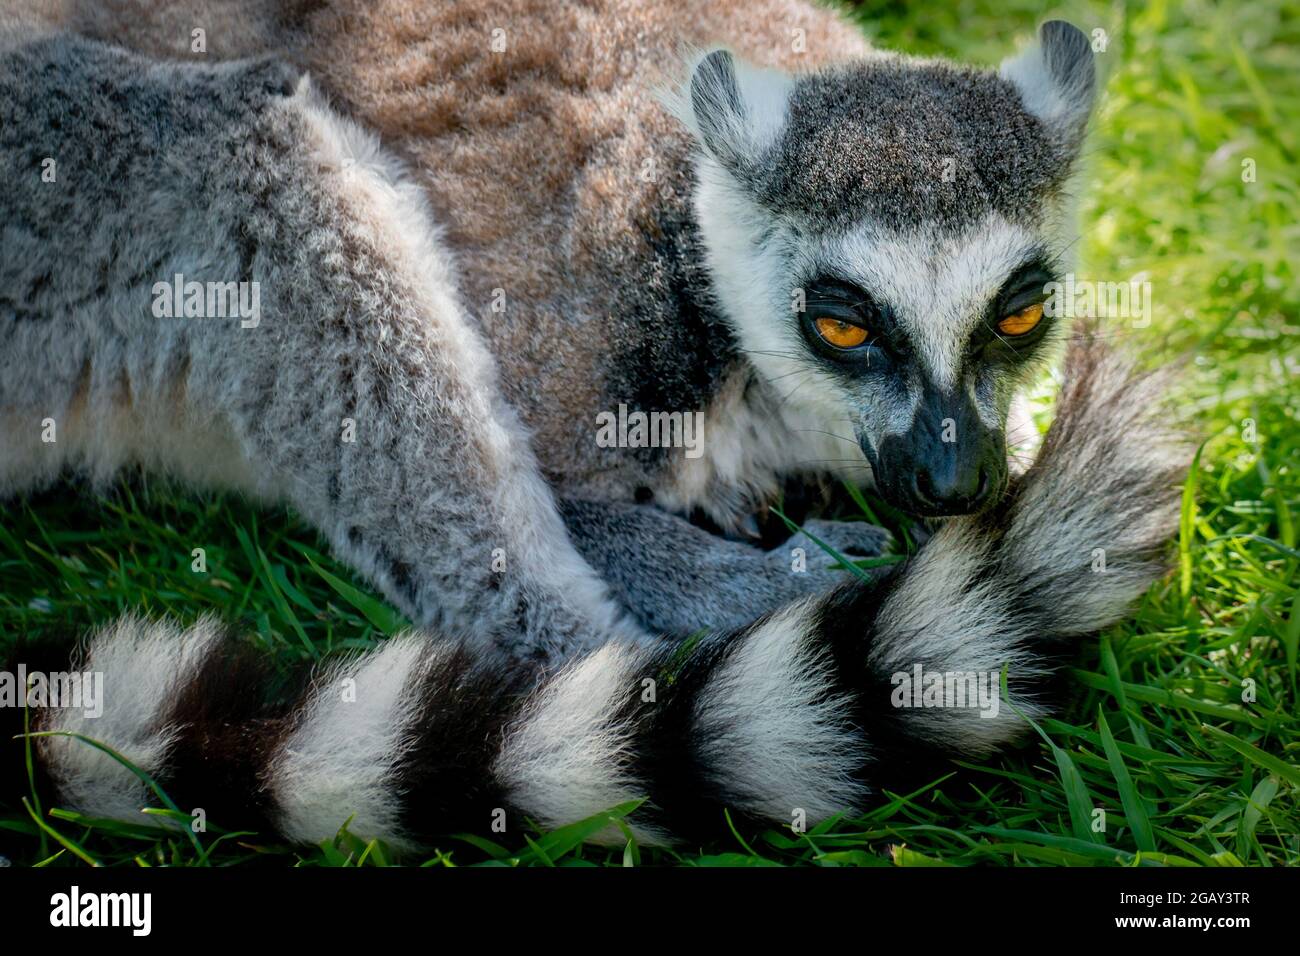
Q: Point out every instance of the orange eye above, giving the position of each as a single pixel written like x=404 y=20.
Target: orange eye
x=842 y=335
x=1022 y=322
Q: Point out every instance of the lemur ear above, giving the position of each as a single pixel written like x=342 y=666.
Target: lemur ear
x=734 y=109
x=1056 y=79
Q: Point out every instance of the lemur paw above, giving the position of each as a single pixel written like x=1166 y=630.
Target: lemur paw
x=853 y=539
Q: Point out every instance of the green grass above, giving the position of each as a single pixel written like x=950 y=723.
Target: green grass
x=1158 y=734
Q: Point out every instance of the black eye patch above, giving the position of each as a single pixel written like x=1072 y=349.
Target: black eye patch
x=1026 y=286
x=829 y=291
x=843 y=301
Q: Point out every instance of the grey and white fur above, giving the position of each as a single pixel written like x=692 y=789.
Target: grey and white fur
x=525 y=688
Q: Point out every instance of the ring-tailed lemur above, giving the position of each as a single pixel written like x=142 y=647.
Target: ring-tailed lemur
x=839 y=265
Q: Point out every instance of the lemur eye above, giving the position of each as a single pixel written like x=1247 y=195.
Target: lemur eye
x=1022 y=322
x=840 y=334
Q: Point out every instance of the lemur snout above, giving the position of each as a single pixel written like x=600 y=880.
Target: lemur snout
x=933 y=478
x=951 y=491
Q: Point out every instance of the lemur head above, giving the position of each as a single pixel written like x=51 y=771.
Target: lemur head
x=879 y=235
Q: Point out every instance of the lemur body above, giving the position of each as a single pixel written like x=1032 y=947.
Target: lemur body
x=649 y=255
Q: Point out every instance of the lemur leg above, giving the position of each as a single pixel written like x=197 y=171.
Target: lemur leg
x=677 y=578
x=347 y=383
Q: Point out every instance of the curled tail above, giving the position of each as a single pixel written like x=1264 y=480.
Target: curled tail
x=804 y=712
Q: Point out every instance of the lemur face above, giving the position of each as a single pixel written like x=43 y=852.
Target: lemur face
x=880 y=236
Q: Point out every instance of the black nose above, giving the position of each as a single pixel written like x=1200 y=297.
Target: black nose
x=952 y=490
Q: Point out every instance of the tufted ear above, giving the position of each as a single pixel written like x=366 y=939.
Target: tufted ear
x=1056 y=79
x=734 y=109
